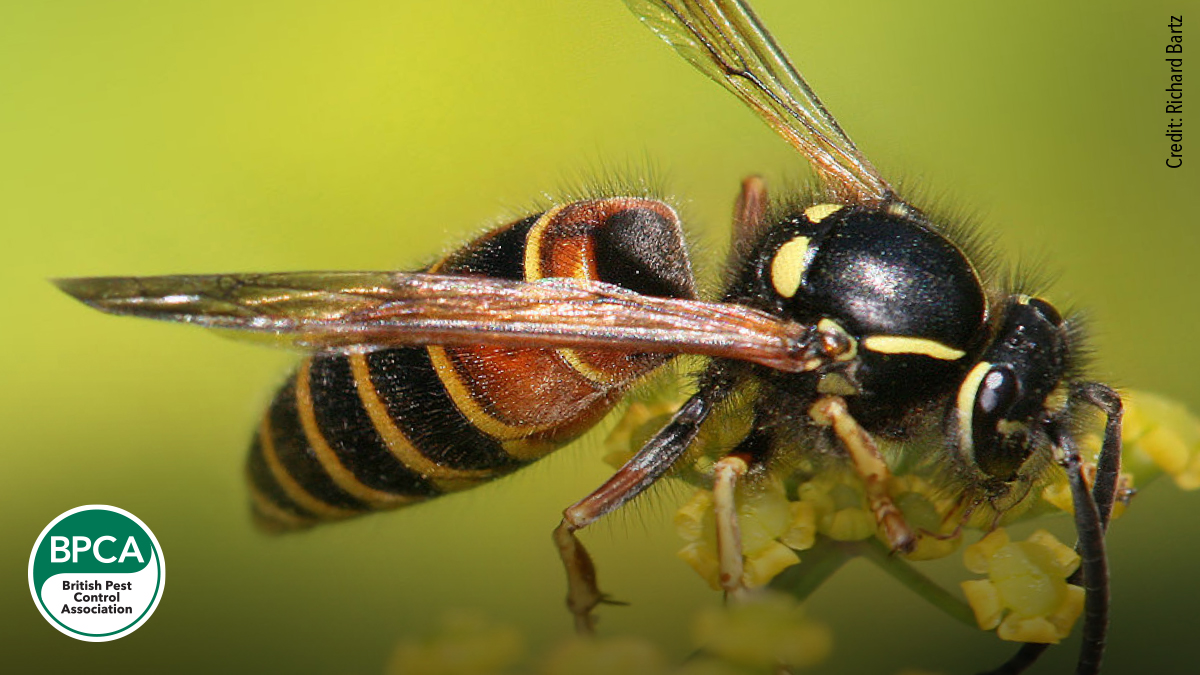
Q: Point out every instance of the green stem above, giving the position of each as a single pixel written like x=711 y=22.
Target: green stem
x=816 y=565
x=820 y=562
x=902 y=571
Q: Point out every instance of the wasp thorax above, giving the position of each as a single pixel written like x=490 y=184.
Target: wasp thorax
x=908 y=296
x=1010 y=387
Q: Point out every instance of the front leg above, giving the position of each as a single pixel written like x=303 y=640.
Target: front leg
x=1108 y=464
x=1093 y=576
x=1093 y=557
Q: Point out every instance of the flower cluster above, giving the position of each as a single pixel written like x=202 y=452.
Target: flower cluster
x=1161 y=435
x=772 y=528
x=1025 y=596
x=466 y=644
x=764 y=635
x=1158 y=436
x=822 y=510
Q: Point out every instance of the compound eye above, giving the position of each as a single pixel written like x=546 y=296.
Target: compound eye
x=998 y=391
x=999 y=441
x=1048 y=312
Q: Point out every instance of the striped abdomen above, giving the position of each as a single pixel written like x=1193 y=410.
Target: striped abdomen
x=349 y=434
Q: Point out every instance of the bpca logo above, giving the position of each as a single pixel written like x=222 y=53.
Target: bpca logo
x=96 y=573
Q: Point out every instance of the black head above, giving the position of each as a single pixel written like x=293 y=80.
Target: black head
x=1013 y=387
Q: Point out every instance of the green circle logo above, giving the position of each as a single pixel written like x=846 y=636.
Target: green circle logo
x=96 y=573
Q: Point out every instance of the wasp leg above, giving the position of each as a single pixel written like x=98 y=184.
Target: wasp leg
x=645 y=467
x=726 y=473
x=1092 y=511
x=1108 y=464
x=1093 y=560
x=864 y=455
x=1103 y=494
x=749 y=214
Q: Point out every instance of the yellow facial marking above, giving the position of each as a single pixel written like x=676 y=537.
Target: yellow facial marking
x=965 y=405
x=902 y=344
x=787 y=268
x=1010 y=427
x=819 y=212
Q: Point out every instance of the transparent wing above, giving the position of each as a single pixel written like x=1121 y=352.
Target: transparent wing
x=357 y=311
x=726 y=41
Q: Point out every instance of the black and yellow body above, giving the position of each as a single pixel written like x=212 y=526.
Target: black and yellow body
x=939 y=355
x=849 y=317
x=360 y=432
x=909 y=296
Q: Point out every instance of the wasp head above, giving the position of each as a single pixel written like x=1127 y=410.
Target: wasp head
x=1013 y=389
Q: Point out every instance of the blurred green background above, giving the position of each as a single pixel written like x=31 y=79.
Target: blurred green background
x=179 y=137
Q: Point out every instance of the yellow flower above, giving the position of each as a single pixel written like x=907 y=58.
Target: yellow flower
x=626 y=655
x=930 y=513
x=1058 y=493
x=772 y=530
x=1158 y=435
x=1026 y=597
x=639 y=422
x=1161 y=434
x=768 y=630
x=466 y=644
x=840 y=503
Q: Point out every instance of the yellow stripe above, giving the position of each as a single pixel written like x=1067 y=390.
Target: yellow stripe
x=338 y=473
x=445 y=478
x=514 y=439
x=436 y=267
x=965 y=405
x=272 y=516
x=288 y=484
x=533 y=243
x=902 y=344
x=788 y=265
x=464 y=399
x=592 y=374
x=529 y=449
x=533 y=272
x=818 y=212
